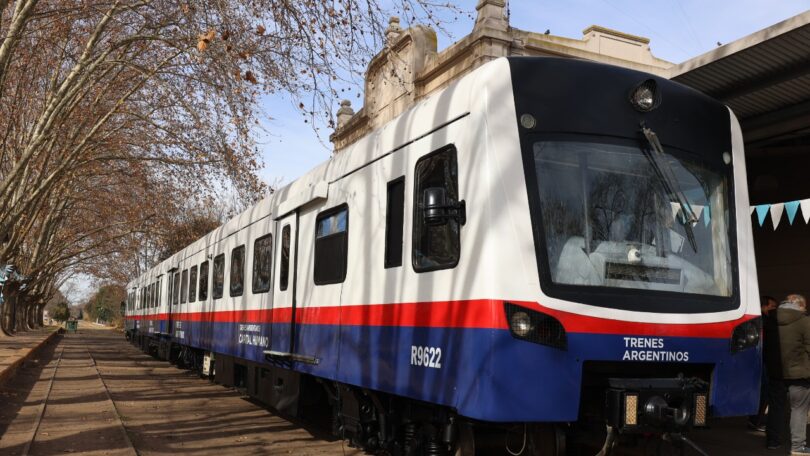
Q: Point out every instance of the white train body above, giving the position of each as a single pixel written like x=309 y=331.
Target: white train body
x=443 y=333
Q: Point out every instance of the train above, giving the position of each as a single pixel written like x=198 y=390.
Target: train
x=547 y=248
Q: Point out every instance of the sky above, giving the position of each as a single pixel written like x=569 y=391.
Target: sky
x=678 y=30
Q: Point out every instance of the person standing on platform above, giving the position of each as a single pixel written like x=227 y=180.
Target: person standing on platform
x=794 y=341
x=773 y=394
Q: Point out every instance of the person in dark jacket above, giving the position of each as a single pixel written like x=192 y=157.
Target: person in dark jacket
x=794 y=342
x=774 y=391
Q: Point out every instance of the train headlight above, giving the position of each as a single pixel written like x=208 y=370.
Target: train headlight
x=520 y=323
x=533 y=326
x=645 y=97
x=746 y=335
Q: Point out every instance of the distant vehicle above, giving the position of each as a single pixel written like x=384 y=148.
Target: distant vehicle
x=547 y=248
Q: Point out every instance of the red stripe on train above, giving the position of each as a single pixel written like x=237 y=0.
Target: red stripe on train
x=479 y=313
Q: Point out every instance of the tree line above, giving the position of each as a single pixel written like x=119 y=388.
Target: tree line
x=123 y=122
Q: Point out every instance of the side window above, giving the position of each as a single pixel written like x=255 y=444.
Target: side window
x=437 y=212
x=158 y=293
x=203 y=281
x=169 y=288
x=237 y=282
x=176 y=288
x=219 y=276
x=192 y=284
x=152 y=292
x=284 y=270
x=394 y=223
x=184 y=287
x=331 y=243
x=262 y=258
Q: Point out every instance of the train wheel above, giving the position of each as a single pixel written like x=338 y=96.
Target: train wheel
x=465 y=442
x=547 y=440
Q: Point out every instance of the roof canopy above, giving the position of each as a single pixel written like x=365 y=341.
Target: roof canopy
x=765 y=78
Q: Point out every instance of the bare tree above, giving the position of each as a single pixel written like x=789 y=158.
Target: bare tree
x=114 y=114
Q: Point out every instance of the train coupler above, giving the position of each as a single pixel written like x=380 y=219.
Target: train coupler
x=656 y=405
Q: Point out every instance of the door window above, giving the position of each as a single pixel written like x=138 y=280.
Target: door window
x=331 y=244
x=284 y=270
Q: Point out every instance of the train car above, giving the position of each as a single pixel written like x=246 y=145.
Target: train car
x=545 y=248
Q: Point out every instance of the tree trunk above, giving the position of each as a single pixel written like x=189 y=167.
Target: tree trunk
x=3 y=306
x=7 y=318
x=19 y=313
x=33 y=321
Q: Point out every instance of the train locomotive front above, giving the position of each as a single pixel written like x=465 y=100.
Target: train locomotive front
x=646 y=317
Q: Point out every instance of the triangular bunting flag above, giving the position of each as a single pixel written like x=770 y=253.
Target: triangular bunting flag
x=791 y=208
x=776 y=213
x=707 y=216
x=805 y=204
x=697 y=211
x=762 y=211
x=676 y=208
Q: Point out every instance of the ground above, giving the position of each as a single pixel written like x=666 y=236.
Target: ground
x=108 y=398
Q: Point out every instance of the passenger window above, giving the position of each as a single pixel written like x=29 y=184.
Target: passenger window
x=237 y=284
x=192 y=284
x=157 y=294
x=219 y=276
x=152 y=292
x=394 y=223
x=170 y=289
x=437 y=212
x=331 y=243
x=262 y=258
x=284 y=271
x=203 y=281
x=184 y=287
x=176 y=291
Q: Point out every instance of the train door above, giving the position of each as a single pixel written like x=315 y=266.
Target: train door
x=322 y=264
x=284 y=289
x=174 y=298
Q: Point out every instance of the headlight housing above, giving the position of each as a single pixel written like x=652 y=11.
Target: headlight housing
x=645 y=97
x=533 y=326
x=746 y=335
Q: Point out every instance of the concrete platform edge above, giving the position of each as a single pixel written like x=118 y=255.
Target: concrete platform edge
x=7 y=369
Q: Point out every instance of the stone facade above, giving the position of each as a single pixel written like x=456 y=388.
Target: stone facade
x=410 y=68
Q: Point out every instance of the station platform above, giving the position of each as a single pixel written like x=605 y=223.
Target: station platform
x=16 y=349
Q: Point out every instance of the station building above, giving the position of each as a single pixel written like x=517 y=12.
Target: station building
x=764 y=78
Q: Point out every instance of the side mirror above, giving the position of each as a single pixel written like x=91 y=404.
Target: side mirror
x=437 y=210
x=435 y=199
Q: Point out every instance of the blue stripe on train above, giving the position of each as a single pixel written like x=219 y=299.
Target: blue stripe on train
x=484 y=373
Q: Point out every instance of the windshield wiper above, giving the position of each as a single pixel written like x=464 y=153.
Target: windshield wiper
x=657 y=157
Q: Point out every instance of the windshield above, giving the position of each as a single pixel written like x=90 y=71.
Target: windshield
x=609 y=220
